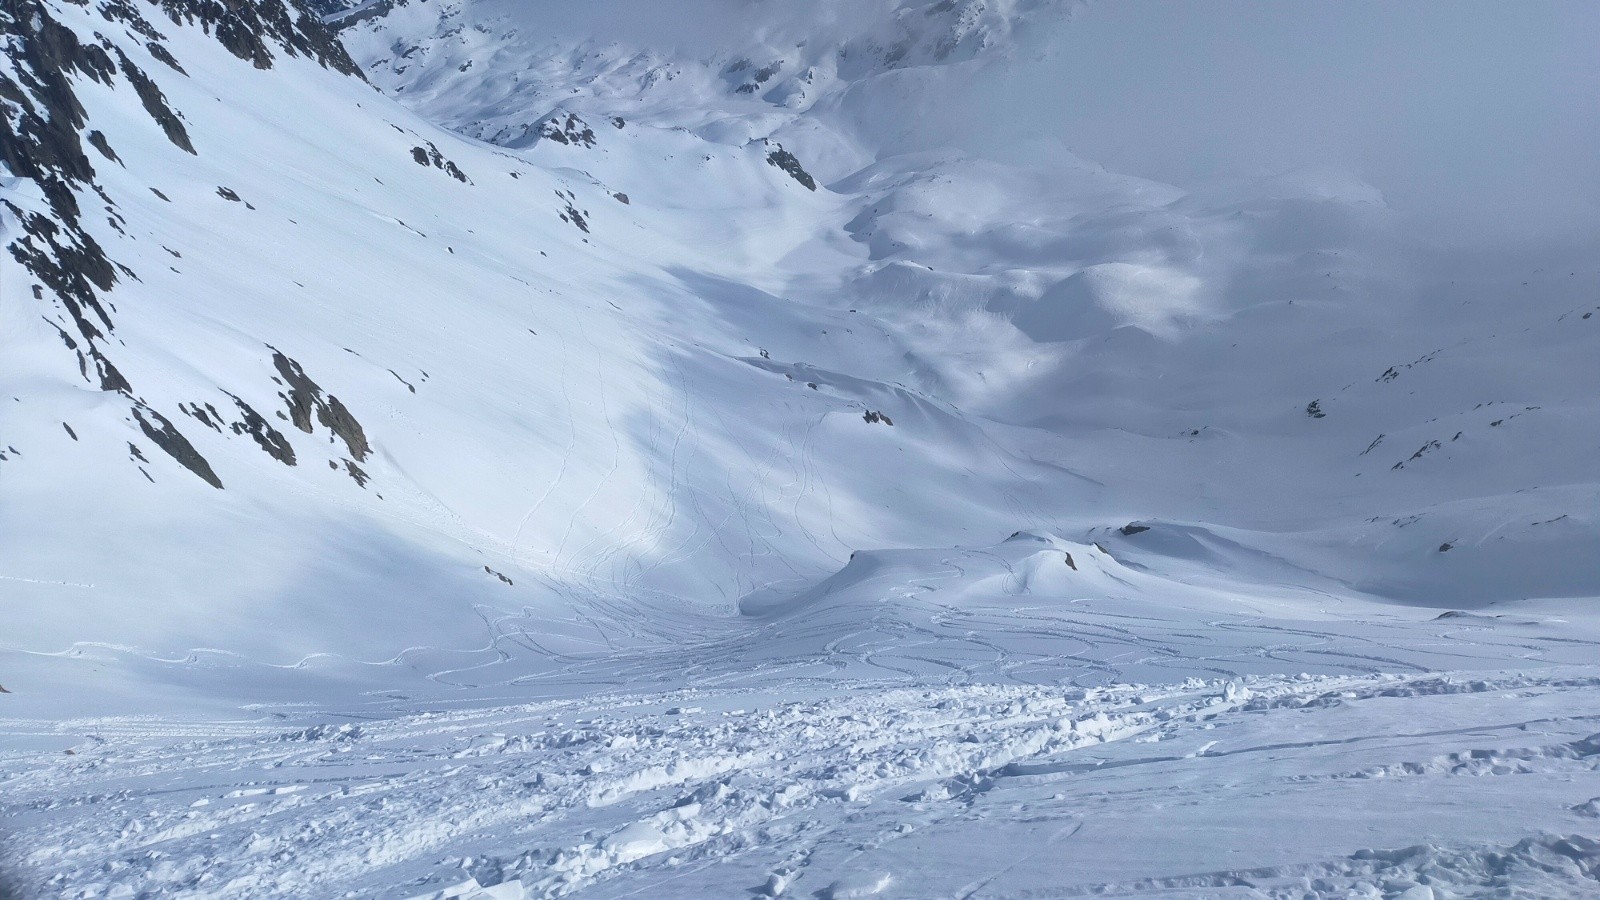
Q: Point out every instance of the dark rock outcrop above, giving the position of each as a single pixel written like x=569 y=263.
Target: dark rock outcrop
x=172 y=442
x=566 y=128
x=571 y=214
x=787 y=161
x=44 y=128
x=430 y=156
x=270 y=439
x=306 y=399
x=155 y=103
x=252 y=29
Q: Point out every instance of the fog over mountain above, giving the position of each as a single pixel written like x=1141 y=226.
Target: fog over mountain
x=905 y=448
x=1476 y=119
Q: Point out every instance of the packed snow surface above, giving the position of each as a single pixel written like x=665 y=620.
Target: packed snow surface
x=646 y=461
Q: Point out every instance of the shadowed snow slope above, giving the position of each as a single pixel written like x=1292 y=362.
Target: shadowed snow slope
x=495 y=352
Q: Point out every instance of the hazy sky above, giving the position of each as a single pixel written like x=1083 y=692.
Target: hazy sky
x=1477 y=118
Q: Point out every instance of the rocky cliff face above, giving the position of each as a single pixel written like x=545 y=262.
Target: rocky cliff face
x=46 y=138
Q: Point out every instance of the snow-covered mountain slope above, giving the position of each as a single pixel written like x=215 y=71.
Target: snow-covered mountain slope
x=461 y=354
x=1237 y=357
x=284 y=355
x=408 y=371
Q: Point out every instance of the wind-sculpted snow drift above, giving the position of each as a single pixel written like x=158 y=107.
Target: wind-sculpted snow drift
x=456 y=352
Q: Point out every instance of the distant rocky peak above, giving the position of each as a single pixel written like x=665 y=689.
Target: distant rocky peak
x=731 y=70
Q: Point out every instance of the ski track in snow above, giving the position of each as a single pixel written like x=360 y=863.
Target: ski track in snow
x=729 y=792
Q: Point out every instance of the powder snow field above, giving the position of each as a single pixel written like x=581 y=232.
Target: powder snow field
x=642 y=464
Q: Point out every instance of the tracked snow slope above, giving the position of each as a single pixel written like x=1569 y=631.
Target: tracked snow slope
x=1356 y=786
